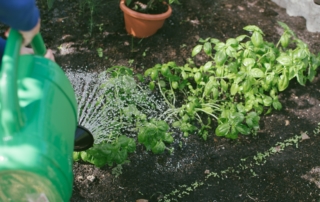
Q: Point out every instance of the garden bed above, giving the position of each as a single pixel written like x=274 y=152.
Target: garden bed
x=272 y=166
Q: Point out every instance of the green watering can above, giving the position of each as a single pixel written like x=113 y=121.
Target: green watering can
x=38 y=126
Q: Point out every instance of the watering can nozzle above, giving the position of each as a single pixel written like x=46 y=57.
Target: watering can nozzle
x=83 y=139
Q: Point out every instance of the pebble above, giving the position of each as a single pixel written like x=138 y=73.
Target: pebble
x=91 y=178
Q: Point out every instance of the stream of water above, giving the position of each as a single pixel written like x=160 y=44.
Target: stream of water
x=101 y=105
x=106 y=106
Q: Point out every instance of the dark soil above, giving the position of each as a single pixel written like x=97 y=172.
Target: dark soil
x=66 y=30
x=157 y=7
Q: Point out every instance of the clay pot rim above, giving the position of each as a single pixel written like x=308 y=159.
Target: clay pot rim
x=151 y=17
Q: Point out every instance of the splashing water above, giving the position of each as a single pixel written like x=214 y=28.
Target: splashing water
x=106 y=105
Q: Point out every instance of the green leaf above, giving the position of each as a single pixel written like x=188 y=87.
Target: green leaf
x=253 y=28
x=283 y=82
x=283 y=25
x=246 y=86
x=142 y=137
x=249 y=62
x=241 y=37
x=233 y=67
x=257 y=39
x=300 y=54
x=76 y=156
x=231 y=52
x=234 y=89
x=184 y=75
x=208 y=87
x=232 y=42
x=277 y=105
x=284 y=40
x=148 y=72
x=151 y=85
x=162 y=125
x=233 y=134
x=241 y=108
x=113 y=147
x=243 y=129
x=84 y=156
x=269 y=78
x=248 y=106
x=256 y=73
x=219 y=46
x=252 y=120
x=224 y=85
x=284 y=60
x=267 y=101
x=220 y=57
x=220 y=71
x=207 y=66
x=100 y=52
x=223 y=129
x=131 y=147
x=311 y=74
x=240 y=76
x=301 y=78
x=207 y=110
x=236 y=118
x=99 y=162
x=196 y=50
x=158 y=148
x=168 y=138
x=207 y=48
x=120 y=156
x=201 y=40
x=215 y=93
x=123 y=140
x=214 y=41
x=175 y=124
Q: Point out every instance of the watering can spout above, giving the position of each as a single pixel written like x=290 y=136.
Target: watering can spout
x=83 y=139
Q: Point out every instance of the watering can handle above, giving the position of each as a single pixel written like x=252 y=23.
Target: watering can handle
x=38 y=45
x=11 y=117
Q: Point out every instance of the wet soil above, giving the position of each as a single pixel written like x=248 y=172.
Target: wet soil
x=68 y=29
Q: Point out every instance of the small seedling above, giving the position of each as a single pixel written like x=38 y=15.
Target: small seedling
x=100 y=52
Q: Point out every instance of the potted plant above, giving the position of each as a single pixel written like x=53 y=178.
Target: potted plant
x=143 y=18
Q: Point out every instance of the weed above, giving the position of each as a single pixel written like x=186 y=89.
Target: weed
x=316 y=131
x=117 y=171
x=100 y=52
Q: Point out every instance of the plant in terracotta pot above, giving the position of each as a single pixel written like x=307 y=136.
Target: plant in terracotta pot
x=143 y=18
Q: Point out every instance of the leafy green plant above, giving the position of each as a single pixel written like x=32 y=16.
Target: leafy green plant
x=316 y=131
x=108 y=153
x=154 y=134
x=100 y=52
x=129 y=109
x=239 y=81
x=92 y=6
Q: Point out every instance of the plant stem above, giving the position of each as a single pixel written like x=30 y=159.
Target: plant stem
x=214 y=116
x=165 y=98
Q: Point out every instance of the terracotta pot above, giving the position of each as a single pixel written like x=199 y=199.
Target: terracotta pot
x=143 y=25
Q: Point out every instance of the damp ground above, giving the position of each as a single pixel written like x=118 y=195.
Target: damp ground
x=291 y=174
